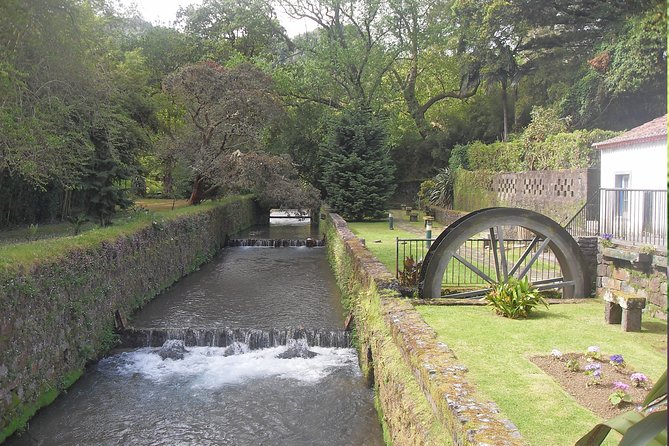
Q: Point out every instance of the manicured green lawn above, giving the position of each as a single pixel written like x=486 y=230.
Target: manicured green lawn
x=379 y=230
x=496 y=351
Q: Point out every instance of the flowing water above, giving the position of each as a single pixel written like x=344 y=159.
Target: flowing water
x=232 y=395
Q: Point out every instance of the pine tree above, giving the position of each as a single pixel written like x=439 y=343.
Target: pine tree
x=357 y=169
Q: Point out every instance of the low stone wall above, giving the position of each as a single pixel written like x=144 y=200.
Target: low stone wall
x=446 y=216
x=626 y=269
x=58 y=314
x=422 y=393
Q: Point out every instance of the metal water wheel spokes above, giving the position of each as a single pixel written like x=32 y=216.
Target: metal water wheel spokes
x=479 y=247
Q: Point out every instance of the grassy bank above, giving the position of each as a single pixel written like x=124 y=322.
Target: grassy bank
x=496 y=351
x=24 y=254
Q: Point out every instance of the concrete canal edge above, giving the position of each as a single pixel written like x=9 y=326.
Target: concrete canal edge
x=422 y=393
x=59 y=314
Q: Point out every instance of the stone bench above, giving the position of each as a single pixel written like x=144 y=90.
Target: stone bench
x=623 y=308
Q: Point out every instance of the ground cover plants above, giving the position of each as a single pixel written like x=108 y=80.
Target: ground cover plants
x=498 y=353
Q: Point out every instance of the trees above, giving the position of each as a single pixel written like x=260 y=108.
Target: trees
x=69 y=102
x=344 y=61
x=221 y=29
x=357 y=170
x=423 y=34
x=224 y=109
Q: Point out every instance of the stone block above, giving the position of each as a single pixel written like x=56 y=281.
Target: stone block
x=610 y=283
x=631 y=320
x=621 y=274
x=654 y=284
x=612 y=313
x=602 y=269
x=663 y=288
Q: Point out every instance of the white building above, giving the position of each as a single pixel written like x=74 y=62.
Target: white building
x=633 y=199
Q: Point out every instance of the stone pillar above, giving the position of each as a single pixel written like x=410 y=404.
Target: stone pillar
x=589 y=248
x=612 y=313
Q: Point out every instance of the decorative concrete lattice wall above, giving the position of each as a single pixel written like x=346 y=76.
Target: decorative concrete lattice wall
x=558 y=194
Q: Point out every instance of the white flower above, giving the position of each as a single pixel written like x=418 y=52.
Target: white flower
x=593 y=349
x=555 y=353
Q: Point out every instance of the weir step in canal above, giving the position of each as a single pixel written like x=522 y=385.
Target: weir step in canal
x=254 y=338
x=275 y=243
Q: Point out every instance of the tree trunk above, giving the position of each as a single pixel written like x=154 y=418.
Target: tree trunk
x=505 y=112
x=197 y=194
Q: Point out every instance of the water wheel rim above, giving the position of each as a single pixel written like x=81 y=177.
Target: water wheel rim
x=574 y=279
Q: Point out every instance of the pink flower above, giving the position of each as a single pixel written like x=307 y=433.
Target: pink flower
x=621 y=386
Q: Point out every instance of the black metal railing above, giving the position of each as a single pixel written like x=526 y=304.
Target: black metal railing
x=477 y=252
x=585 y=223
x=634 y=215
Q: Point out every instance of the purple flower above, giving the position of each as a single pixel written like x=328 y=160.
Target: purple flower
x=597 y=373
x=593 y=367
x=617 y=359
x=621 y=386
x=638 y=379
x=607 y=236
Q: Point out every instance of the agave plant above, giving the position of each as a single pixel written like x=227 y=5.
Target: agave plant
x=645 y=427
x=441 y=193
x=515 y=298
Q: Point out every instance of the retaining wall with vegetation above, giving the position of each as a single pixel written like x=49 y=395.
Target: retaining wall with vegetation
x=58 y=305
x=422 y=393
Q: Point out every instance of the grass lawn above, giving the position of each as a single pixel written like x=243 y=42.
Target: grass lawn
x=378 y=230
x=54 y=230
x=496 y=351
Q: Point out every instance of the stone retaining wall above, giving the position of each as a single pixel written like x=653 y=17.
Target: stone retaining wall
x=58 y=314
x=422 y=392
x=626 y=269
x=446 y=216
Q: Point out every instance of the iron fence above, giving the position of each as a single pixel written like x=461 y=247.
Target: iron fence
x=477 y=252
x=634 y=215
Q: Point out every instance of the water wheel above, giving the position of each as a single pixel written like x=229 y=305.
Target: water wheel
x=479 y=245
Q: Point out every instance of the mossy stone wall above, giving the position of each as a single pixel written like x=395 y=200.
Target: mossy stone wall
x=422 y=394
x=58 y=314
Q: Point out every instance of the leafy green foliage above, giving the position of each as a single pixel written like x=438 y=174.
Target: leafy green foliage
x=515 y=298
x=544 y=145
x=357 y=170
x=441 y=192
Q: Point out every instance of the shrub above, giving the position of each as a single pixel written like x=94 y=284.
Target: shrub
x=408 y=277
x=442 y=192
x=357 y=168
x=514 y=299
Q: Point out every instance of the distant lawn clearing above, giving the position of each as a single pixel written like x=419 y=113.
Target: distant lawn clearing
x=496 y=351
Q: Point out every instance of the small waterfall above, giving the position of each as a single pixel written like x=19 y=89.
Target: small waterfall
x=224 y=337
x=275 y=243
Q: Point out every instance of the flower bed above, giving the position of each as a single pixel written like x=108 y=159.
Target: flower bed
x=603 y=384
